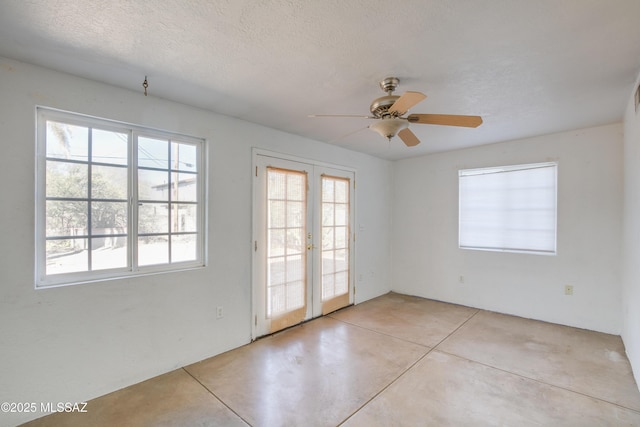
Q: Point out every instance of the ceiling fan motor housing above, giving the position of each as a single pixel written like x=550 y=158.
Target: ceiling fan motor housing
x=380 y=106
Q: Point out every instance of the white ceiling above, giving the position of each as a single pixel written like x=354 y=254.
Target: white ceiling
x=528 y=67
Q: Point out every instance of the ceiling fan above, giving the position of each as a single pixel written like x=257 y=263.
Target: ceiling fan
x=389 y=111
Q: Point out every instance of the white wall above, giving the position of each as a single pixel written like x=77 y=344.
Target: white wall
x=631 y=240
x=428 y=262
x=75 y=343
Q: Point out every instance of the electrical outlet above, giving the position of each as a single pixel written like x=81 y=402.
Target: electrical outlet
x=219 y=313
x=568 y=290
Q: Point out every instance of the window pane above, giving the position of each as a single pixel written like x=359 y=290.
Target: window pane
x=66 y=256
x=69 y=142
x=153 y=250
x=184 y=157
x=66 y=218
x=153 y=218
x=109 y=182
x=153 y=153
x=153 y=185
x=69 y=180
x=184 y=218
x=184 y=248
x=109 y=217
x=109 y=147
x=108 y=252
x=185 y=187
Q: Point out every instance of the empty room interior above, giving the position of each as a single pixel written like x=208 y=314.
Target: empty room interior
x=320 y=213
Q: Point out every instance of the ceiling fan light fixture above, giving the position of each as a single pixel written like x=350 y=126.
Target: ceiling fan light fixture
x=389 y=114
x=388 y=128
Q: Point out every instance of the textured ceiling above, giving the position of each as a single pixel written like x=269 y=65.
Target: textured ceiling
x=527 y=67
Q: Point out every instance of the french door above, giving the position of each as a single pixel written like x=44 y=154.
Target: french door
x=303 y=243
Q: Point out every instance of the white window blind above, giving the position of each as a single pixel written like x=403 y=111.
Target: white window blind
x=510 y=208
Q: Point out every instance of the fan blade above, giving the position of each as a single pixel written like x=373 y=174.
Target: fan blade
x=446 y=119
x=409 y=138
x=341 y=115
x=406 y=101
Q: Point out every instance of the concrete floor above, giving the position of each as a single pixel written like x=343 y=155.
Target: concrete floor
x=392 y=361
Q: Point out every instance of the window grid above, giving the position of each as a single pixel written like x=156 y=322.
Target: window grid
x=85 y=225
x=286 y=251
x=335 y=236
x=86 y=239
x=173 y=200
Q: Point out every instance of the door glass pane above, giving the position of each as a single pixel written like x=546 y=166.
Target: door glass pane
x=276 y=214
x=335 y=237
x=286 y=256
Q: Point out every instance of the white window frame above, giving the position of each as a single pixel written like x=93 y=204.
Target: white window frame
x=42 y=280
x=466 y=237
